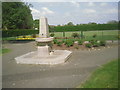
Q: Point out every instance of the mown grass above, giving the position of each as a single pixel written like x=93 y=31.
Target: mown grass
x=88 y=38
x=104 y=77
x=8 y=38
x=88 y=33
x=105 y=37
x=4 y=50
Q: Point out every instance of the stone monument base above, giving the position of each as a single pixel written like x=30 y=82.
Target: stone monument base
x=56 y=57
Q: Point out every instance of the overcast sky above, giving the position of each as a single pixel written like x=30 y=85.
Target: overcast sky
x=76 y=12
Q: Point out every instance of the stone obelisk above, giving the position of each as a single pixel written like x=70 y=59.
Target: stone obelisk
x=44 y=40
x=43 y=28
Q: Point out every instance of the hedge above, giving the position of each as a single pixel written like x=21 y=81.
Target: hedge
x=85 y=27
x=14 y=33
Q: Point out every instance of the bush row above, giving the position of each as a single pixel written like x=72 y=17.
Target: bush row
x=14 y=33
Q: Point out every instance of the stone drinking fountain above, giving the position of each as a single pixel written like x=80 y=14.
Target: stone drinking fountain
x=44 y=54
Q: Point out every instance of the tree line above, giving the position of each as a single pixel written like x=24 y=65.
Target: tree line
x=16 y=15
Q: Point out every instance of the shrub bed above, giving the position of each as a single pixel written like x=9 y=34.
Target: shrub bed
x=69 y=43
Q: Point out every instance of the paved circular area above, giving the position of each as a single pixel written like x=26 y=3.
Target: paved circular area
x=67 y=75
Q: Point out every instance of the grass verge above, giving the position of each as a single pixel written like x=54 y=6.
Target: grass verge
x=4 y=50
x=104 y=77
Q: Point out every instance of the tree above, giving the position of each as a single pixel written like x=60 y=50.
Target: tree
x=70 y=24
x=36 y=23
x=58 y=25
x=75 y=35
x=16 y=15
x=92 y=23
x=112 y=22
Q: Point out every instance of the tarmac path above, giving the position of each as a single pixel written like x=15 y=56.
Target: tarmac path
x=67 y=75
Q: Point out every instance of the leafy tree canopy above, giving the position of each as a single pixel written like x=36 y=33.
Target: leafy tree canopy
x=36 y=23
x=70 y=24
x=112 y=22
x=16 y=15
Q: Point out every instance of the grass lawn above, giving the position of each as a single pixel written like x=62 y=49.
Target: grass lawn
x=88 y=33
x=101 y=35
x=88 y=38
x=104 y=77
x=105 y=37
x=4 y=50
x=109 y=32
x=9 y=38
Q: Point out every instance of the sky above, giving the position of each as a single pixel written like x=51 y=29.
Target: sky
x=76 y=12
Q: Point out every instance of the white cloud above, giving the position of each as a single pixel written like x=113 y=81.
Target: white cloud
x=89 y=11
x=111 y=11
x=67 y=14
x=45 y=11
x=75 y=3
x=66 y=0
x=34 y=11
x=103 y=4
x=37 y=13
x=91 y=4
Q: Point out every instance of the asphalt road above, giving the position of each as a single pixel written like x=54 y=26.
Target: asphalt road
x=67 y=75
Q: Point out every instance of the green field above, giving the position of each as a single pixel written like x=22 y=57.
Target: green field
x=104 y=77
x=88 y=33
x=101 y=35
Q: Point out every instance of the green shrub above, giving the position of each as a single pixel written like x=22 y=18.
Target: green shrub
x=52 y=34
x=96 y=44
x=34 y=35
x=63 y=41
x=59 y=43
x=55 y=41
x=102 y=43
x=88 y=45
x=93 y=41
x=75 y=35
x=76 y=47
x=95 y=35
x=69 y=43
x=80 y=42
